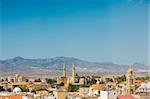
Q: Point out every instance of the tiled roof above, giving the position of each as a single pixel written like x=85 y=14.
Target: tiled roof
x=126 y=97
x=99 y=87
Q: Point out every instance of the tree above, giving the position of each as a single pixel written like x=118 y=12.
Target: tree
x=33 y=91
x=73 y=88
x=84 y=85
x=9 y=89
x=2 y=88
x=93 y=81
x=61 y=84
x=120 y=79
x=102 y=82
x=37 y=80
x=143 y=78
x=109 y=80
x=27 y=80
x=23 y=88
x=2 y=80
x=50 y=81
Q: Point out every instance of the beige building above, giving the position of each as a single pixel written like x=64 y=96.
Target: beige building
x=60 y=94
x=82 y=80
x=130 y=81
x=63 y=78
x=67 y=80
x=72 y=78
x=16 y=79
x=84 y=90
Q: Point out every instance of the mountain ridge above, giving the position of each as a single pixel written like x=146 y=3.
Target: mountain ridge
x=54 y=65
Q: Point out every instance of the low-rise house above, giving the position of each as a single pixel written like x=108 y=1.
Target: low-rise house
x=95 y=89
x=107 y=95
x=144 y=88
x=60 y=94
x=84 y=90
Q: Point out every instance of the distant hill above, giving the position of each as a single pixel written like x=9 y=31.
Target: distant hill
x=53 y=66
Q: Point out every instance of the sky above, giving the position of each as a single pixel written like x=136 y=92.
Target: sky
x=94 y=30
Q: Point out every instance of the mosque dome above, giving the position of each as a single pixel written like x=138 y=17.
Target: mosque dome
x=17 y=90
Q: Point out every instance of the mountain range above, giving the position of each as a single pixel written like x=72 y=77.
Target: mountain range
x=53 y=66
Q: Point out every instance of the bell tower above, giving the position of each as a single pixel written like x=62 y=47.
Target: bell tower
x=130 y=81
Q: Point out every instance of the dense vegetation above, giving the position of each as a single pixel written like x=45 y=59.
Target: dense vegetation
x=120 y=79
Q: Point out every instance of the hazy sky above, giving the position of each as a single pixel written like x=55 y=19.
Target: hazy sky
x=95 y=30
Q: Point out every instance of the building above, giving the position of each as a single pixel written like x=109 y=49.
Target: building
x=72 y=78
x=95 y=89
x=17 y=90
x=144 y=88
x=130 y=81
x=138 y=83
x=84 y=90
x=82 y=80
x=63 y=78
x=125 y=97
x=121 y=89
x=60 y=94
x=67 y=80
x=107 y=95
x=13 y=97
x=16 y=79
x=16 y=94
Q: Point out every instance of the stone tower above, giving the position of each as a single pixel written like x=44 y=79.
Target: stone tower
x=72 y=80
x=130 y=81
x=64 y=70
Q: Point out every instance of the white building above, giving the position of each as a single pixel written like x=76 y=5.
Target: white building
x=107 y=95
x=17 y=90
x=95 y=89
x=49 y=97
x=145 y=87
x=121 y=89
x=84 y=90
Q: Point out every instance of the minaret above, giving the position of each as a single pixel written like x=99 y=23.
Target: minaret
x=64 y=70
x=130 y=81
x=73 y=71
x=73 y=74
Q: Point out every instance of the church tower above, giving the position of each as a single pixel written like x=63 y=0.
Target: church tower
x=130 y=81
x=64 y=70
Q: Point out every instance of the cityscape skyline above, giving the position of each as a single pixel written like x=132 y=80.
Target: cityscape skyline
x=74 y=49
x=91 y=30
